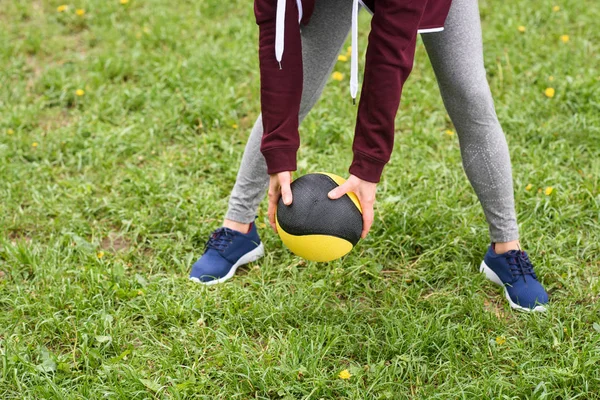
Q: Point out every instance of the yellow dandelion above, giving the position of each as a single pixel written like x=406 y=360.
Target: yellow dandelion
x=34 y=144
x=124 y=1
x=556 y=8
x=449 y=132
x=521 y=29
x=528 y=187
x=551 y=78
x=337 y=76
x=140 y=293
x=79 y=92
x=62 y=8
x=10 y=131
x=234 y=126
x=342 y=58
x=564 y=38
x=549 y=92
x=500 y=340
x=349 y=50
x=100 y=254
x=548 y=190
x=80 y=12
x=345 y=374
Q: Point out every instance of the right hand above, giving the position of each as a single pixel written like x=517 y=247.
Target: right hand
x=365 y=191
x=279 y=186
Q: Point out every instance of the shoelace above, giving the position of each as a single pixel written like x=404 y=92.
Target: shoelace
x=220 y=239
x=520 y=265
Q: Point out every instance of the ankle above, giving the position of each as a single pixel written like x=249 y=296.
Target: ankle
x=503 y=247
x=236 y=226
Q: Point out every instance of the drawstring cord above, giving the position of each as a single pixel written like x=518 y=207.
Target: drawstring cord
x=354 y=55
x=279 y=30
x=280 y=27
x=279 y=40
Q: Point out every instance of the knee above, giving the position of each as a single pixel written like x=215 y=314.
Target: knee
x=473 y=96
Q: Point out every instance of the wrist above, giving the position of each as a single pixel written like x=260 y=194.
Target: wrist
x=366 y=168
x=280 y=160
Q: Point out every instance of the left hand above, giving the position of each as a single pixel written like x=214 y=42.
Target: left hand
x=365 y=191
x=279 y=186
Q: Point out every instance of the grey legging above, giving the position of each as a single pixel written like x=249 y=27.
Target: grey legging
x=456 y=55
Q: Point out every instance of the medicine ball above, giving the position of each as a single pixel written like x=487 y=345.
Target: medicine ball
x=315 y=227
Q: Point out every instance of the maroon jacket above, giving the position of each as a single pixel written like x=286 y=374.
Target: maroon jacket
x=389 y=61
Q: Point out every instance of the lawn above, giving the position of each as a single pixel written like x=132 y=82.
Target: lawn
x=122 y=126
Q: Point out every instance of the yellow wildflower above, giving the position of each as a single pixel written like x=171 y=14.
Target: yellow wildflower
x=528 y=187
x=521 y=29
x=79 y=92
x=548 y=190
x=337 y=76
x=10 y=131
x=555 y=8
x=100 y=254
x=35 y=144
x=564 y=38
x=342 y=58
x=345 y=374
x=551 y=78
x=449 y=132
x=80 y=12
x=124 y=1
x=349 y=50
x=146 y=30
x=549 y=92
x=62 y=8
x=500 y=340
x=234 y=126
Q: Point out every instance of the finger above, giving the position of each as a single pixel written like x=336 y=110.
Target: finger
x=271 y=212
x=368 y=216
x=286 y=190
x=274 y=194
x=340 y=190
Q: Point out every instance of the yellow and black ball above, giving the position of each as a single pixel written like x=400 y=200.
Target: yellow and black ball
x=315 y=227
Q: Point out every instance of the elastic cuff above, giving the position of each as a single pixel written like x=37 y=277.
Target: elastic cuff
x=366 y=168
x=503 y=237
x=280 y=160
x=239 y=217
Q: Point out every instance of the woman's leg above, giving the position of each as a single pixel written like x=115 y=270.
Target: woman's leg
x=322 y=39
x=456 y=55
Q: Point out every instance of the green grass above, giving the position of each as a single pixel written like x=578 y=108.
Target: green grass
x=107 y=199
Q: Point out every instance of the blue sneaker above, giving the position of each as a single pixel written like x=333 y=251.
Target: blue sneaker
x=513 y=271
x=225 y=251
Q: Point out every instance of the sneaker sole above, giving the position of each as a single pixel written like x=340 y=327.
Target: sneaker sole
x=491 y=275
x=245 y=259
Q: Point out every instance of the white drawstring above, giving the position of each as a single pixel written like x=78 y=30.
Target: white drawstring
x=354 y=56
x=279 y=30
x=280 y=27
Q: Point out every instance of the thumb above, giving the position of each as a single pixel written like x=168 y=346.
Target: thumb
x=286 y=190
x=340 y=191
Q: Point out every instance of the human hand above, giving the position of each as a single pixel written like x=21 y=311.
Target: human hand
x=279 y=186
x=365 y=191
